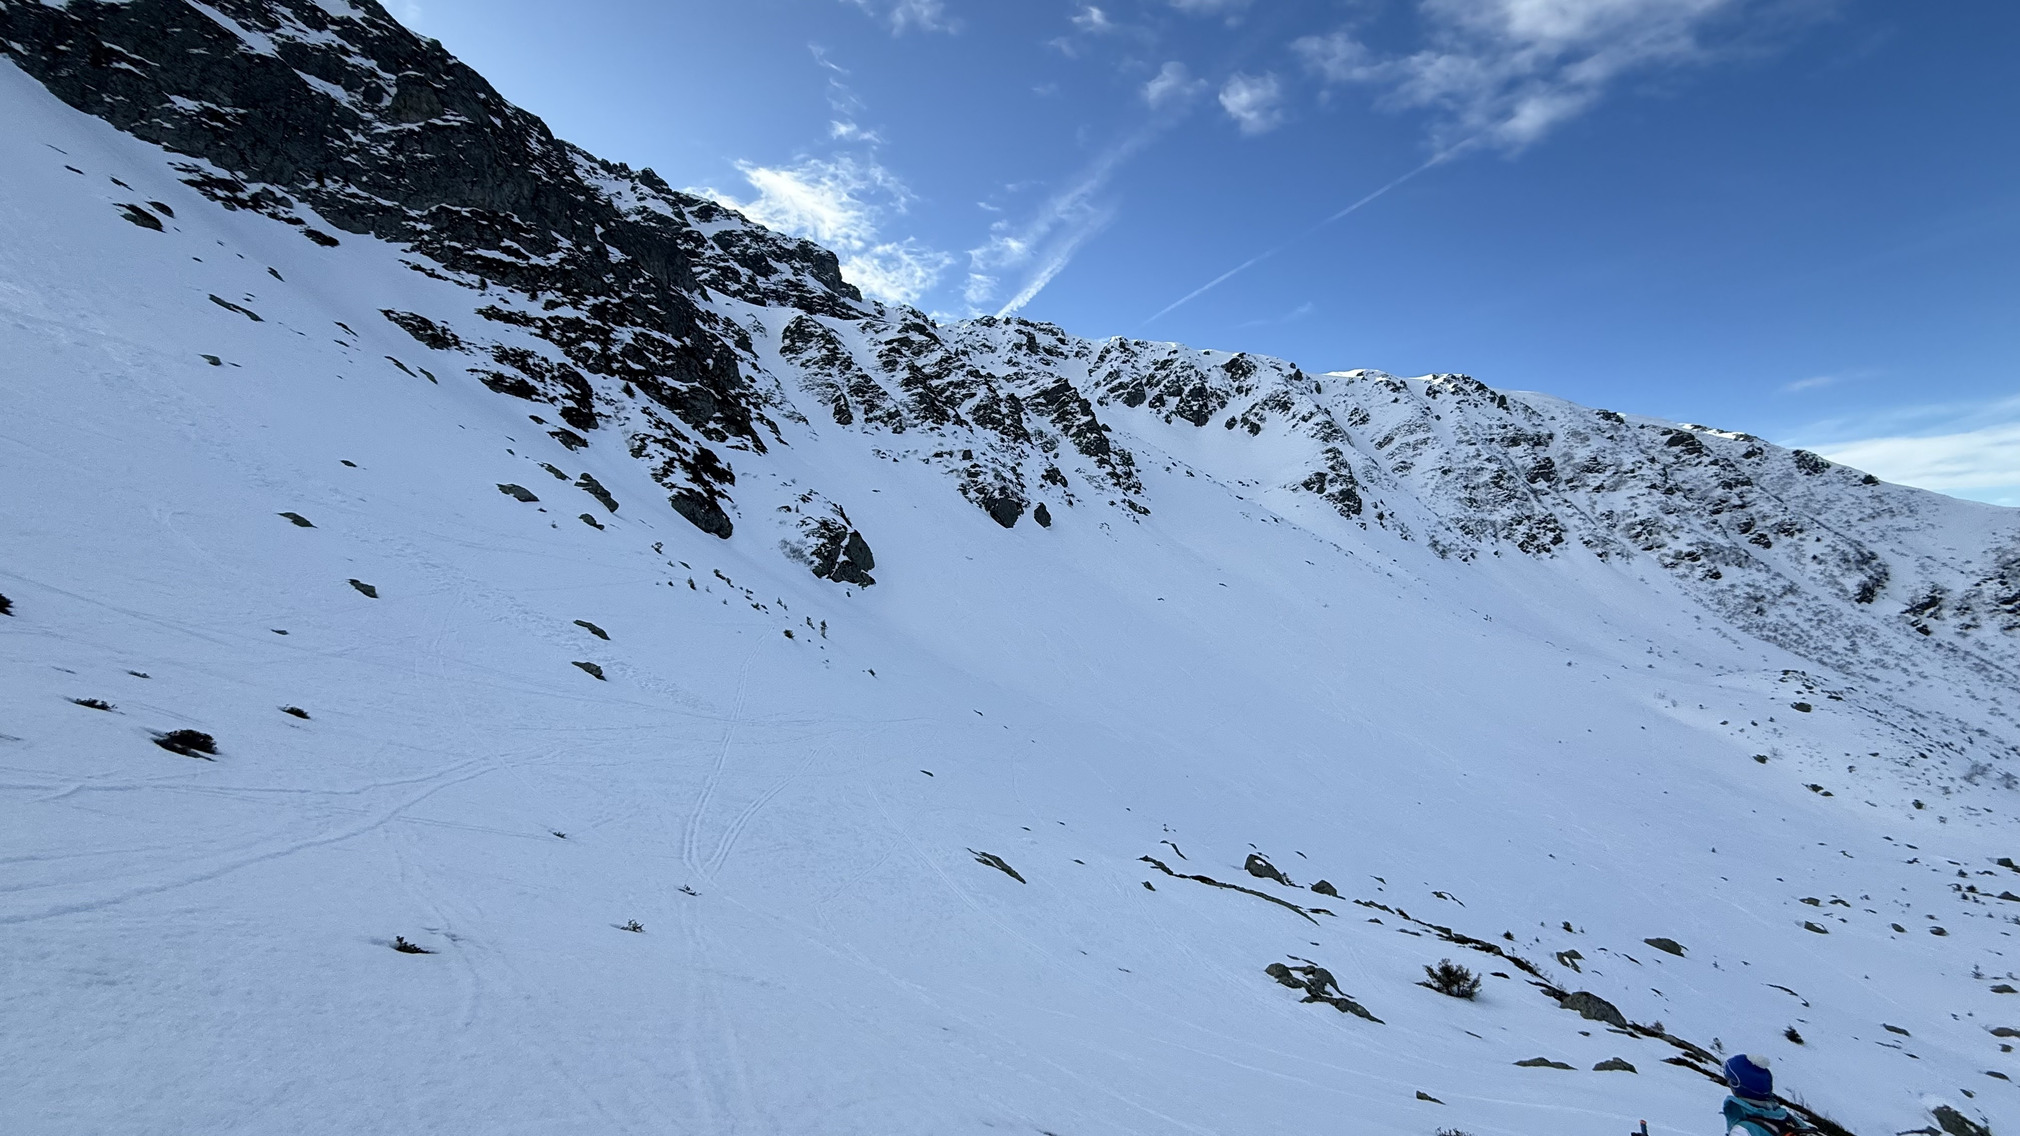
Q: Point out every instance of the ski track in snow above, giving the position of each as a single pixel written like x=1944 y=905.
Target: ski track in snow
x=436 y=784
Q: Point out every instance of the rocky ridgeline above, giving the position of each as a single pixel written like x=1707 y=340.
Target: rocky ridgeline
x=642 y=313
x=338 y=109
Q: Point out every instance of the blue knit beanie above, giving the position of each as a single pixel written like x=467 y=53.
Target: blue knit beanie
x=1749 y=1077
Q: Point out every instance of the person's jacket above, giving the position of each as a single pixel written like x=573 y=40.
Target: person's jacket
x=1745 y=1117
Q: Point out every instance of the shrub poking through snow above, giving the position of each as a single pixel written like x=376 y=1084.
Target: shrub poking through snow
x=93 y=703
x=1451 y=979
x=634 y=926
x=188 y=743
x=6 y=606
x=295 y=711
x=1792 y=1035
x=401 y=945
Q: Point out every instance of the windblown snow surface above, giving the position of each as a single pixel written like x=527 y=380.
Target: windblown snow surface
x=807 y=793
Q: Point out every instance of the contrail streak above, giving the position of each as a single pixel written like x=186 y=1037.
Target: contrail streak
x=1258 y=258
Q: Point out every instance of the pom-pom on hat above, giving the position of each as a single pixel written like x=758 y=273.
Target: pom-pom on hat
x=1749 y=1077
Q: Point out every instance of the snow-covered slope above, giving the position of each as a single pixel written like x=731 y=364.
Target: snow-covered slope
x=627 y=565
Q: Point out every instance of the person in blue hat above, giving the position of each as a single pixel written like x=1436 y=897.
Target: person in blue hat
x=1751 y=1109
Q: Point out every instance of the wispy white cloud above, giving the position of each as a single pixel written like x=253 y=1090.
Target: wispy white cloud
x=844 y=202
x=825 y=61
x=1033 y=252
x=903 y=15
x=1339 y=57
x=1292 y=316
x=1172 y=86
x=1439 y=158
x=1968 y=450
x=1497 y=73
x=842 y=98
x=1093 y=21
x=1507 y=72
x=842 y=130
x=1229 y=8
x=1983 y=463
x=1091 y=25
x=1254 y=102
x=1814 y=382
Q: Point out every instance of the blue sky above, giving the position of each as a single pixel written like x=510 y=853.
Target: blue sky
x=1799 y=218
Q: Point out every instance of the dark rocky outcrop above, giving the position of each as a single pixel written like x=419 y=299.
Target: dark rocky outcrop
x=828 y=543
x=1956 y=1123
x=703 y=512
x=1258 y=865
x=141 y=217
x=188 y=743
x=997 y=862
x=851 y=564
x=1319 y=986
x=1594 y=1008
x=594 y=488
x=1211 y=882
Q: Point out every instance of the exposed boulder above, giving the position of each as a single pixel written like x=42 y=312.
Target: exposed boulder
x=1259 y=866
x=1592 y=1007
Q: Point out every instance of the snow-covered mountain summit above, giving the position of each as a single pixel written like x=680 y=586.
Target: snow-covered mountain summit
x=687 y=331
x=919 y=688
